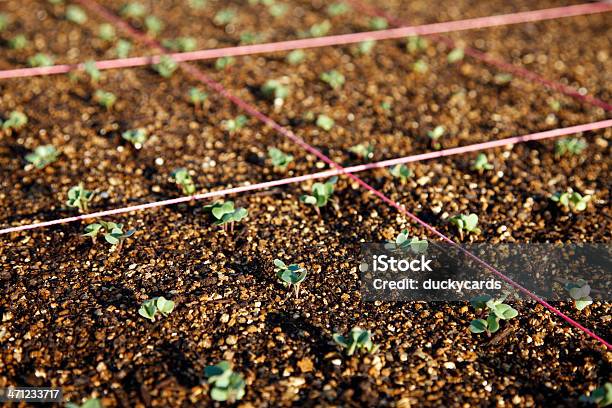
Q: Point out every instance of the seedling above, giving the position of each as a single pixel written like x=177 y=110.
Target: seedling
x=42 y=156
x=497 y=310
x=481 y=163
x=280 y=160
x=106 y=32
x=416 y=44
x=224 y=17
x=182 y=44
x=92 y=70
x=153 y=25
x=166 y=66
x=420 y=67
x=226 y=384
x=105 y=99
x=337 y=9
x=571 y=146
x=414 y=244
x=79 y=197
x=378 y=23
x=197 y=4
x=321 y=194
x=40 y=60
x=76 y=15
x=502 y=79
x=455 y=55
x=16 y=121
x=601 y=396
x=151 y=307
x=436 y=134
x=467 y=223
x=137 y=137
x=402 y=172
x=233 y=125
x=182 y=178
x=123 y=48
x=580 y=293
x=249 y=38
x=386 y=106
x=295 y=57
x=225 y=214
x=133 y=10
x=90 y=403
x=278 y=9
x=320 y=29
x=224 y=63
x=362 y=150
x=366 y=47
x=291 y=275
x=197 y=98
x=273 y=89
x=325 y=122
x=113 y=233
x=357 y=340
x=572 y=201
x=4 y=21
x=18 y=42
x=555 y=105
x=333 y=78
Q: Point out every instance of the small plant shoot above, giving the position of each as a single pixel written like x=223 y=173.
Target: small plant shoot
x=182 y=178
x=338 y=9
x=106 y=32
x=226 y=385
x=76 y=15
x=571 y=201
x=325 y=122
x=481 y=163
x=112 y=232
x=224 y=63
x=79 y=197
x=181 y=44
x=42 y=156
x=357 y=340
x=197 y=98
x=150 y=308
x=497 y=310
x=420 y=67
x=416 y=44
x=321 y=194
x=225 y=214
x=90 y=403
x=366 y=152
x=133 y=10
x=15 y=122
x=580 y=293
x=466 y=224
x=154 y=25
x=601 y=397
x=414 y=244
x=333 y=78
x=296 y=57
x=18 y=42
x=402 y=172
x=274 y=90
x=572 y=146
x=40 y=60
x=137 y=137
x=123 y=48
x=92 y=70
x=319 y=29
x=290 y=275
x=455 y=55
x=435 y=134
x=280 y=160
x=378 y=23
x=105 y=99
x=224 y=17
x=234 y=125
x=166 y=66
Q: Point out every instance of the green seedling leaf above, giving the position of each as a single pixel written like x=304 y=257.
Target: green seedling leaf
x=481 y=163
x=79 y=197
x=182 y=178
x=455 y=55
x=273 y=89
x=133 y=10
x=224 y=63
x=325 y=122
x=76 y=15
x=602 y=396
x=402 y=172
x=106 y=32
x=478 y=326
x=280 y=160
x=333 y=78
x=155 y=26
x=224 y=17
x=18 y=42
x=572 y=146
x=105 y=99
x=42 y=156
x=295 y=57
x=363 y=151
x=378 y=23
x=40 y=60
x=123 y=48
x=226 y=384
x=137 y=137
x=166 y=66
x=357 y=340
x=338 y=9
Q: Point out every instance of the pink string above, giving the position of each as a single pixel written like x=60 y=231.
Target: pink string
x=427 y=29
x=323 y=174
x=503 y=65
x=198 y=74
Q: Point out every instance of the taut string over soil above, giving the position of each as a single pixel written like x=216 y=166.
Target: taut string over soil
x=248 y=108
x=548 y=134
x=503 y=65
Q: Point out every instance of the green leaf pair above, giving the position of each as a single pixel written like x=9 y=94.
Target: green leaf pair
x=357 y=340
x=182 y=178
x=226 y=384
x=151 y=307
x=291 y=275
x=580 y=293
x=113 y=233
x=572 y=201
x=79 y=197
x=498 y=310
x=467 y=223
x=225 y=213
x=42 y=156
x=321 y=194
x=416 y=245
x=280 y=160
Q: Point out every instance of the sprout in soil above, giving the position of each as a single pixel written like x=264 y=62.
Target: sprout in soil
x=280 y=160
x=321 y=194
x=197 y=98
x=466 y=223
x=137 y=137
x=357 y=340
x=502 y=79
x=580 y=293
x=436 y=134
x=40 y=60
x=366 y=47
x=76 y=15
x=106 y=32
x=363 y=151
x=18 y=42
x=197 y=4
x=151 y=307
x=402 y=172
x=181 y=44
x=274 y=90
x=601 y=396
x=225 y=214
x=378 y=23
x=4 y=21
x=42 y=156
x=224 y=63
x=291 y=275
x=105 y=99
x=154 y=25
x=277 y=9
x=16 y=121
x=79 y=197
x=497 y=310
x=113 y=233
x=420 y=67
x=414 y=244
x=92 y=70
x=337 y=9
x=455 y=55
x=318 y=30
x=571 y=201
x=90 y=403
x=224 y=17
x=481 y=163
x=386 y=106
x=182 y=178
x=416 y=44
x=554 y=105
x=295 y=57
x=233 y=125
x=133 y=10
x=226 y=384
x=571 y=146
x=166 y=66
x=123 y=48
x=248 y=38
x=333 y=78
x=325 y=122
